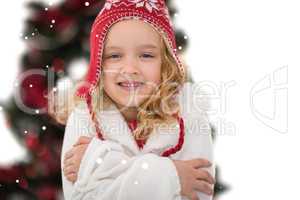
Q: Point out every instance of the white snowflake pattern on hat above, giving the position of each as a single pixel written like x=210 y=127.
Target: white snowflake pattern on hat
x=149 y=4
x=109 y=3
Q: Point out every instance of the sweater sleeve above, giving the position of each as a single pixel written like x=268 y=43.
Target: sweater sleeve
x=198 y=138
x=78 y=124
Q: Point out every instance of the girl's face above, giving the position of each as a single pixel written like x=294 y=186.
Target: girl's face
x=132 y=62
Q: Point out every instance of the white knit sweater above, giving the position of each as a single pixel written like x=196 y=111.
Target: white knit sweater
x=116 y=169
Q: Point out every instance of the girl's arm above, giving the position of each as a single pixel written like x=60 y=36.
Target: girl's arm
x=72 y=158
x=78 y=125
x=106 y=172
x=198 y=138
x=198 y=144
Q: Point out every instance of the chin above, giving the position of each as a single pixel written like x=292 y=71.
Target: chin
x=130 y=102
x=127 y=98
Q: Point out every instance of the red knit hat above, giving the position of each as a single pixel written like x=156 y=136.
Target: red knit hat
x=153 y=12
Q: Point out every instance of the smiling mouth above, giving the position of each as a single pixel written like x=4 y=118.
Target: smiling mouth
x=130 y=85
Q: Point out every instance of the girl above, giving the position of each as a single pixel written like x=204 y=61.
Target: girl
x=139 y=132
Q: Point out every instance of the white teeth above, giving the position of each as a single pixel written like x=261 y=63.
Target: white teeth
x=130 y=84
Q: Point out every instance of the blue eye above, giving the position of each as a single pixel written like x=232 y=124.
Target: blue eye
x=146 y=55
x=113 y=56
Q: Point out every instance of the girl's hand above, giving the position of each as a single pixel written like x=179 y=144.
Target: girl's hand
x=193 y=178
x=73 y=158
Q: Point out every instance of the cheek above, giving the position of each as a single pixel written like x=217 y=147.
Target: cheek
x=152 y=73
x=108 y=81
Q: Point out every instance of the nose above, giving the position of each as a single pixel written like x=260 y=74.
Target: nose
x=130 y=66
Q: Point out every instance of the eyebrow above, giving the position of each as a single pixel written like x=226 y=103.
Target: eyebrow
x=112 y=47
x=148 y=46
x=145 y=46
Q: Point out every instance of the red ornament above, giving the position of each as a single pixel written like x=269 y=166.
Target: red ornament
x=32 y=142
x=32 y=91
x=23 y=183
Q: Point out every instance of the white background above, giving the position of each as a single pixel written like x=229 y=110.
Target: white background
x=245 y=46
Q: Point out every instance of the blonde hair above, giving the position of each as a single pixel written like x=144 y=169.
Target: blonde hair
x=157 y=109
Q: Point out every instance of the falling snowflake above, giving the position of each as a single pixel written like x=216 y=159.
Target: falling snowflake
x=109 y=3
x=149 y=4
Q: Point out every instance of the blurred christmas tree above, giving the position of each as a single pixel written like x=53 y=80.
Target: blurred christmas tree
x=57 y=38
